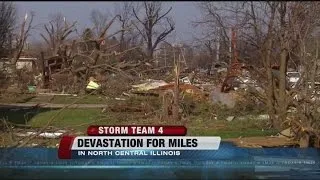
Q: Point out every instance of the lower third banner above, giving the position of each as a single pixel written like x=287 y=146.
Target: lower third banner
x=85 y=147
x=137 y=154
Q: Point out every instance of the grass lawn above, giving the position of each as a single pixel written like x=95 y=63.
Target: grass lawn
x=90 y=99
x=31 y=98
x=199 y=120
x=80 y=119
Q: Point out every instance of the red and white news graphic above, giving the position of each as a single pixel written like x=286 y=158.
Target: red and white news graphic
x=103 y=146
x=64 y=151
x=137 y=131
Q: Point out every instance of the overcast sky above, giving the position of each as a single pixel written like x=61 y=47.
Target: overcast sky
x=183 y=13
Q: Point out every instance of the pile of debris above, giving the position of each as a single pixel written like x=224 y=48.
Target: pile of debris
x=262 y=142
x=157 y=87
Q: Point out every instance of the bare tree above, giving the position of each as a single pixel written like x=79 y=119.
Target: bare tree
x=7 y=23
x=57 y=30
x=279 y=33
x=124 y=10
x=217 y=20
x=303 y=22
x=21 y=38
x=99 y=20
x=87 y=34
x=152 y=18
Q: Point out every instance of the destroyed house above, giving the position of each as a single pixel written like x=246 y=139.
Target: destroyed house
x=50 y=66
x=25 y=61
x=53 y=64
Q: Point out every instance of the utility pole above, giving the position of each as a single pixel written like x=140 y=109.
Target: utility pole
x=165 y=57
x=175 y=108
x=230 y=47
x=218 y=49
x=183 y=57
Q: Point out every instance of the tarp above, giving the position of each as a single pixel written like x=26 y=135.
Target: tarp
x=32 y=89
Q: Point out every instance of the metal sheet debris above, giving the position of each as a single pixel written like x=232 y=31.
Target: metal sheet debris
x=149 y=85
x=56 y=94
x=44 y=135
x=230 y=118
x=185 y=80
x=120 y=99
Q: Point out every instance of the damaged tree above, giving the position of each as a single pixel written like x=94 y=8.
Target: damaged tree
x=16 y=51
x=21 y=39
x=89 y=57
x=304 y=118
x=278 y=32
x=152 y=18
x=57 y=31
x=99 y=21
x=125 y=17
x=7 y=23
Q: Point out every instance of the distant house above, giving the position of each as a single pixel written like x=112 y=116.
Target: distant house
x=25 y=62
